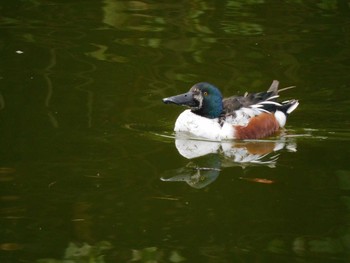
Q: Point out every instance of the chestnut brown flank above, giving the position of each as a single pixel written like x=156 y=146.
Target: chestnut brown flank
x=259 y=127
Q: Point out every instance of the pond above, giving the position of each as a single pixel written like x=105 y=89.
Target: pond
x=91 y=171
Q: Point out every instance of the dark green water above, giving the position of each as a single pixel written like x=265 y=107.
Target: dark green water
x=89 y=168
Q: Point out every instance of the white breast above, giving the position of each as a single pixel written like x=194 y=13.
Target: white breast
x=198 y=126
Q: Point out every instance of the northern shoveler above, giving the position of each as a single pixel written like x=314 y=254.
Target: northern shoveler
x=252 y=116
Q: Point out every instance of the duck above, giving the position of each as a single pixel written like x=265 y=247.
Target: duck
x=211 y=117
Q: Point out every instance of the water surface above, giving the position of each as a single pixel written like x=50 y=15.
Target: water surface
x=90 y=168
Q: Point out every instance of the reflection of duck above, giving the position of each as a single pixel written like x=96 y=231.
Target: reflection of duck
x=235 y=152
x=209 y=157
x=252 y=116
x=196 y=174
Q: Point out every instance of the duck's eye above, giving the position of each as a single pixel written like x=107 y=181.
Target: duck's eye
x=205 y=93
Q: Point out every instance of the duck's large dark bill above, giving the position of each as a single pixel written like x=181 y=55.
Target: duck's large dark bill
x=185 y=99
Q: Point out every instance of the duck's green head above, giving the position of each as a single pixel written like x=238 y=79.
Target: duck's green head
x=203 y=99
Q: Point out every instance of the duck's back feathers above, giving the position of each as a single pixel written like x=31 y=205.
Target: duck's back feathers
x=234 y=103
x=265 y=101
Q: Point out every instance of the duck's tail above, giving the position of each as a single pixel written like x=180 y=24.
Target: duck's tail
x=284 y=110
x=288 y=106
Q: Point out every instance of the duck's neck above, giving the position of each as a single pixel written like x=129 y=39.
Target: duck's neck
x=212 y=112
